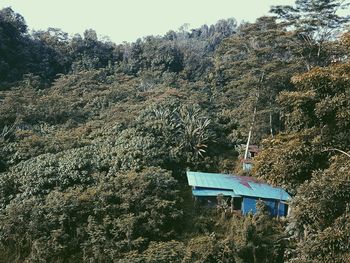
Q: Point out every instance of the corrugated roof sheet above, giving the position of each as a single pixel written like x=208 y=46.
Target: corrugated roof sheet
x=240 y=185
x=213 y=192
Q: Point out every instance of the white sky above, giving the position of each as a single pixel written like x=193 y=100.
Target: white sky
x=127 y=20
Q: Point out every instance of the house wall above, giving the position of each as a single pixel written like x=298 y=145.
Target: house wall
x=283 y=209
x=247 y=167
x=275 y=207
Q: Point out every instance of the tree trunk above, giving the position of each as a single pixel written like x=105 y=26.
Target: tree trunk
x=271 y=128
x=250 y=134
x=254 y=117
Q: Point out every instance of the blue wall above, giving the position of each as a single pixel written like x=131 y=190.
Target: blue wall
x=249 y=205
x=283 y=209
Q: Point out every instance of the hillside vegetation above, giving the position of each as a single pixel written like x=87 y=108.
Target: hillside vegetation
x=96 y=138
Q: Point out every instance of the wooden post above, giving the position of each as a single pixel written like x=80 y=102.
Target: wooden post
x=232 y=204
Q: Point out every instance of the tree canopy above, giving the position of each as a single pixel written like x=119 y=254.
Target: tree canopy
x=95 y=139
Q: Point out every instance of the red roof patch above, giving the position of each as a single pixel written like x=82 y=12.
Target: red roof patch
x=245 y=180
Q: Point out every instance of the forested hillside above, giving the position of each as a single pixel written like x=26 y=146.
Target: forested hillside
x=96 y=138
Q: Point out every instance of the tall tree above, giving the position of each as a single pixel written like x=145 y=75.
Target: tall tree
x=251 y=68
x=316 y=117
x=315 y=23
x=13 y=54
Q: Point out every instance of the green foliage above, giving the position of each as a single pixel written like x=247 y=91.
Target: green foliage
x=92 y=135
x=329 y=106
x=164 y=252
x=258 y=238
x=116 y=214
x=316 y=119
x=185 y=126
x=320 y=217
x=209 y=249
x=13 y=30
x=289 y=159
x=314 y=23
x=251 y=68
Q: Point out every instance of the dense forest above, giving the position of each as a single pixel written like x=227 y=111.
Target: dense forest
x=96 y=138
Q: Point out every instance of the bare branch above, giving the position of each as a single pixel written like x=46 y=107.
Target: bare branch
x=337 y=150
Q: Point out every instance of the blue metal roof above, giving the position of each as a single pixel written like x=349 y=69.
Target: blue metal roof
x=240 y=185
x=213 y=192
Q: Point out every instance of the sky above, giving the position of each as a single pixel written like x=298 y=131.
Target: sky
x=127 y=20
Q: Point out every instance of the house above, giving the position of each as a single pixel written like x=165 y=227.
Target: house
x=253 y=151
x=240 y=192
